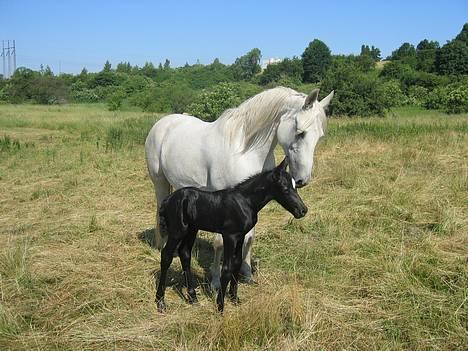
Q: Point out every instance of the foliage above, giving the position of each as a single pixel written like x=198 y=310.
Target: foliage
x=406 y=53
x=286 y=69
x=452 y=58
x=316 y=58
x=372 y=52
x=211 y=103
x=356 y=93
x=426 y=75
x=425 y=55
x=247 y=66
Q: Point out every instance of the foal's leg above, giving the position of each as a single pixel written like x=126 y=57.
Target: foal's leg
x=230 y=242
x=185 y=255
x=166 y=259
x=235 y=276
x=246 y=268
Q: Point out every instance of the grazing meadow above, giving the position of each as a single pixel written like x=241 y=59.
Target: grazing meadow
x=380 y=262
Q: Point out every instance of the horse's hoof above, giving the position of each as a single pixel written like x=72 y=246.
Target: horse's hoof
x=248 y=280
x=235 y=300
x=215 y=284
x=161 y=306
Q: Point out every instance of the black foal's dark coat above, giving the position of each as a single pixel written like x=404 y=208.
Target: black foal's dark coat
x=230 y=212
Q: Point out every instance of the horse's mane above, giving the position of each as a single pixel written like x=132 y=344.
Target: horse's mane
x=256 y=118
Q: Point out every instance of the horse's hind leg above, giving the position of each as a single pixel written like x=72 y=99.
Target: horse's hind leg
x=162 y=189
x=167 y=254
x=185 y=255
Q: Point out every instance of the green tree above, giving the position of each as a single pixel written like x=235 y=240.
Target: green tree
x=372 y=52
x=288 y=68
x=107 y=67
x=167 y=64
x=406 y=53
x=315 y=61
x=452 y=58
x=149 y=70
x=247 y=66
x=124 y=67
x=425 y=55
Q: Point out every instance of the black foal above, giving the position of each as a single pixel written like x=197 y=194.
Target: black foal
x=230 y=212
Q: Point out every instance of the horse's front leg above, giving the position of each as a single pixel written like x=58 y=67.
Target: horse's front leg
x=246 y=267
x=215 y=267
x=237 y=261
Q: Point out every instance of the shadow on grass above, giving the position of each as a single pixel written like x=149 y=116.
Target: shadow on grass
x=202 y=251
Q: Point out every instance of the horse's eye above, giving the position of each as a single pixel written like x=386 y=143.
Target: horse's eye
x=301 y=135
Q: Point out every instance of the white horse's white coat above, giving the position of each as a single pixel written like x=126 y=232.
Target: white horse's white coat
x=185 y=151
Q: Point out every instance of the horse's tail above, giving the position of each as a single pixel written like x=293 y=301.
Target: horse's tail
x=162 y=217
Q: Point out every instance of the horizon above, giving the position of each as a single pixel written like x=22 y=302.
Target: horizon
x=69 y=36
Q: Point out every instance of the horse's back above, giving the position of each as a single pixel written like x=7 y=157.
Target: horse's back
x=162 y=130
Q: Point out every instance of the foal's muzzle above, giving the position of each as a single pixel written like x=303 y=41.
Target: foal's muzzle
x=300 y=212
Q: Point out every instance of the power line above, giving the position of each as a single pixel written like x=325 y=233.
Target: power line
x=9 y=58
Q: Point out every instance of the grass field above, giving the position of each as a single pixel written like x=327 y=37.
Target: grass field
x=379 y=263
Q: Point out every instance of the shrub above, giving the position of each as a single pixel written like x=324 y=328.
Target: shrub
x=210 y=103
x=417 y=95
x=457 y=99
x=114 y=101
x=391 y=94
x=356 y=93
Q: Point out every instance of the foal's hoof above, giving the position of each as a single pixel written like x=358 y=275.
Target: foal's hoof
x=161 y=306
x=193 y=300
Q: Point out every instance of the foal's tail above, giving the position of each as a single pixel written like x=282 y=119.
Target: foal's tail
x=162 y=217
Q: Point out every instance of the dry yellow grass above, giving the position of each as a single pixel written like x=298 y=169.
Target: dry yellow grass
x=379 y=263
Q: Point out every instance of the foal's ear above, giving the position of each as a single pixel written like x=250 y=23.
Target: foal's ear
x=283 y=164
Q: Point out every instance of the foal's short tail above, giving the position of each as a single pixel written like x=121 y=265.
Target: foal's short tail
x=162 y=218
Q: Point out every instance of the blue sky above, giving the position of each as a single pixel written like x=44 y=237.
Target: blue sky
x=87 y=33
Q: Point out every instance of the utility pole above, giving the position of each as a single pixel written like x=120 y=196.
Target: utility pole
x=3 y=57
x=14 y=56
x=9 y=58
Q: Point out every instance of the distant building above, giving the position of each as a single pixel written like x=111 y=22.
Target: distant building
x=270 y=61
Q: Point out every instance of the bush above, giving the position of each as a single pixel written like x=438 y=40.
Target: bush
x=210 y=103
x=391 y=94
x=417 y=95
x=115 y=100
x=457 y=99
x=356 y=93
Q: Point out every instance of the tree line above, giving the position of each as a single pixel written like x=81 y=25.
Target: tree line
x=430 y=75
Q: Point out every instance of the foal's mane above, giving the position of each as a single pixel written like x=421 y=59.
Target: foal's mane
x=256 y=118
x=252 y=180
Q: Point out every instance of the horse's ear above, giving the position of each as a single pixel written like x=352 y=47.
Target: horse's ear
x=326 y=101
x=309 y=101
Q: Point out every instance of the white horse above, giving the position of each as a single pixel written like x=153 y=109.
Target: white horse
x=185 y=151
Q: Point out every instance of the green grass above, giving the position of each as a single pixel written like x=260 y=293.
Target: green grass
x=379 y=263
